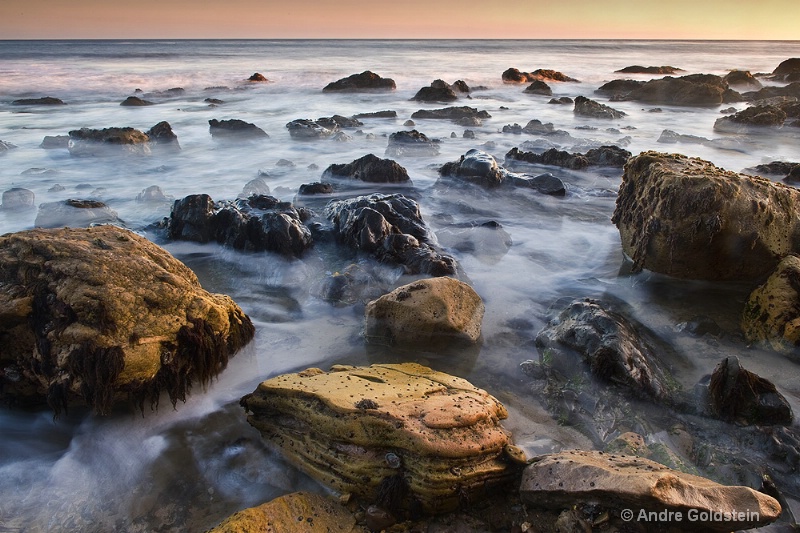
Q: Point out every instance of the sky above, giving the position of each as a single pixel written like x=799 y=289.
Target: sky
x=429 y=19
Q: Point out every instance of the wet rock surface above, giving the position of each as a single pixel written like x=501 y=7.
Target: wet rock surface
x=759 y=116
x=513 y=75
x=638 y=69
x=587 y=107
x=46 y=100
x=370 y=169
x=306 y=129
x=100 y=315
x=235 y=129
x=367 y=80
x=690 y=90
x=605 y=156
x=93 y=142
x=452 y=113
x=411 y=144
x=772 y=312
x=401 y=436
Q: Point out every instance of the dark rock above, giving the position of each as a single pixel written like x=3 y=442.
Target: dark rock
x=371 y=169
x=257 y=78
x=564 y=100
x=92 y=142
x=47 y=100
x=135 y=101
x=391 y=228
x=53 y=142
x=742 y=79
x=174 y=92
x=547 y=184
x=589 y=108
x=340 y=121
x=738 y=395
x=476 y=167
x=438 y=91
x=620 y=87
x=779 y=168
x=515 y=128
x=259 y=223
x=611 y=346
x=792 y=91
x=411 y=143
x=536 y=127
x=163 y=137
x=691 y=90
x=235 y=129
x=75 y=214
x=365 y=81
x=376 y=114
x=787 y=67
x=607 y=156
x=761 y=116
x=305 y=129
x=513 y=75
x=539 y=87
x=315 y=188
x=638 y=69
x=17 y=198
x=213 y=101
x=451 y=113
x=460 y=86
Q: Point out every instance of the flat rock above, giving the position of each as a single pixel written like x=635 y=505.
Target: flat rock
x=638 y=69
x=47 y=100
x=452 y=113
x=625 y=483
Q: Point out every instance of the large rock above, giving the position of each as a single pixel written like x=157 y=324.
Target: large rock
x=586 y=107
x=74 y=213
x=687 y=218
x=162 y=136
x=691 y=90
x=391 y=229
x=401 y=435
x=438 y=91
x=369 y=168
x=636 y=487
x=257 y=223
x=101 y=314
x=539 y=87
x=430 y=313
x=365 y=81
x=772 y=312
x=738 y=395
x=476 y=166
x=298 y=512
x=17 y=198
x=787 y=67
x=92 y=142
x=235 y=130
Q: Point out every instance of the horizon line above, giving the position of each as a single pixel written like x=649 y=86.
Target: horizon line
x=662 y=39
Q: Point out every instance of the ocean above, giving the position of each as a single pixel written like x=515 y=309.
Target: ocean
x=188 y=468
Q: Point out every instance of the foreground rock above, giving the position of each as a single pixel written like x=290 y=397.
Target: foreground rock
x=365 y=81
x=401 y=436
x=685 y=217
x=258 y=223
x=771 y=314
x=431 y=313
x=738 y=395
x=620 y=483
x=74 y=213
x=370 y=169
x=391 y=229
x=298 y=512
x=100 y=315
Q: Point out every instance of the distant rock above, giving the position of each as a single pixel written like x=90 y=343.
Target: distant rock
x=411 y=144
x=638 y=69
x=308 y=189
x=340 y=121
x=513 y=75
x=365 y=81
x=135 y=101
x=619 y=87
x=47 y=100
x=791 y=91
x=742 y=79
x=451 y=113
x=605 y=156
x=152 y=194
x=376 y=114
x=564 y=100
x=74 y=214
x=53 y=142
x=738 y=395
x=539 y=87
x=671 y=137
x=16 y=199
x=94 y=142
x=255 y=187
x=589 y=108
x=235 y=129
x=369 y=168
x=256 y=77
x=779 y=168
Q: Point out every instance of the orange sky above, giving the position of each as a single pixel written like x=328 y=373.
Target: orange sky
x=487 y=19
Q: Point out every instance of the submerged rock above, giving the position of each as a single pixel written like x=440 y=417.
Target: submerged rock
x=431 y=313
x=50 y=142
x=400 y=435
x=17 y=198
x=162 y=136
x=257 y=77
x=738 y=395
x=100 y=315
x=589 y=108
x=411 y=144
x=135 y=101
x=365 y=81
x=235 y=129
x=750 y=119
x=47 y=100
x=637 y=487
x=369 y=168
x=685 y=217
x=306 y=129
x=75 y=214
x=92 y=142
x=452 y=113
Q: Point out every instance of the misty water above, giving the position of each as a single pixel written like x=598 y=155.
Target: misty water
x=189 y=467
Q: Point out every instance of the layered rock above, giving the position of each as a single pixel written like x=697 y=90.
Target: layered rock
x=403 y=436
x=74 y=213
x=634 y=486
x=738 y=395
x=369 y=168
x=687 y=218
x=586 y=107
x=258 y=223
x=752 y=118
x=390 y=228
x=235 y=130
x=365 y=81
x=101 y=314
x=431 y=313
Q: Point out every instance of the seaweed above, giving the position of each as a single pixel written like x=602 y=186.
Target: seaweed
x=98 y=369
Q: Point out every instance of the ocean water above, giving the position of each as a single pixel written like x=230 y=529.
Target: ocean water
x=190 y=467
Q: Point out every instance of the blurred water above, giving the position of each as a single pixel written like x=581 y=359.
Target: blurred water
x=201 y=462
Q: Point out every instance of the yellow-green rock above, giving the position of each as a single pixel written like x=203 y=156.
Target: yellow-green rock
x=772 y=313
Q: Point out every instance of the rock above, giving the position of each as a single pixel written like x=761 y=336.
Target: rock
x=366 y=81
x=101 y=314
x=369 y=168
x=340 y=121
x=787 y=67
x=778 y=168
x=589 y=108
x=47 y=100
x=451 y=113
x=438 y=91
x=691 y=90
x=213 y=102
x=738 y=395
x=258 y=223
x=163 y=137
x=771 y=312
x=305 y=129
x=789 y=91
x=235 y=129
x=152 y=194
x=257 y=77
x=605 y=156
x=548 y=184
x=51 y=142
x=564 y=100
x=750 y=119
x=255 y=187
x=477 y=167
x=307 y=189
x=411 y=144
x=135 y=101
x=742 y=79
x=108 y=141
x=539 y=87
x=619 y=87
x=390 y=228
x=17 y=198
x=671 y=137
x=686 y=218
x=513 y=75
x=401 y=436
x=431 y=313
x=536 y=127
x=174 y=92
x=298 y=512
x=638 y=69
x=611 y=346
x=486 y=241
x=639 y=486
x=75 y=214
x=377 y=114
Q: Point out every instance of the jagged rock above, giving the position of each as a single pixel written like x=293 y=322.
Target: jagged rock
x=589 y=108
x=612 y=347
x=623 y=483
x=305 y=129
x=761 y=116
x=235 y=129
x=369 y=168
x=438 y=91
x=47 y=100
x=257 y=77
x=513 y=75
x=539 y=87
x=476 y=167
x=402 y=436
x=92 y=142
x=789 y=91
x=74 y=214
x=101 y=314
x=17 y=198
x=638 y=69
x=779 y=168
x=258 y=223
x=451 y=113
x=163 y=137
x=431 y=313
x=391 y=228
x=135 y=101
x=51 y=142
x=685 y=217
x=298 y=512
x=742 y=79
x=411 y=144
x=738 y=395
x=366 y=81
x=771 y=313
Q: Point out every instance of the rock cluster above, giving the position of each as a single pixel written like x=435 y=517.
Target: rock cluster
x=458 y=114
x=690 y=90
x=513 y=75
